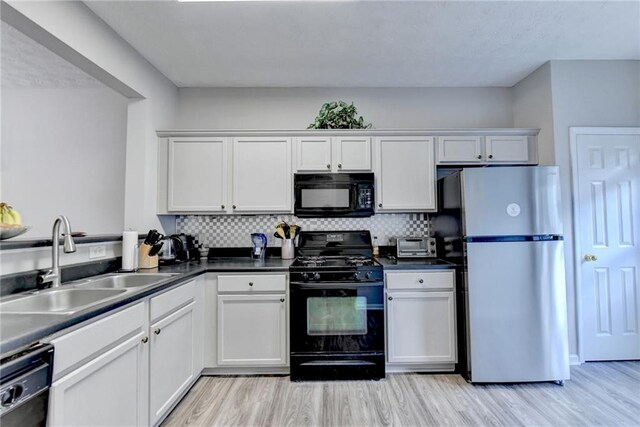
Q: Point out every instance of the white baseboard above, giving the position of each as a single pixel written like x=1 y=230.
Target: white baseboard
x=574 y=360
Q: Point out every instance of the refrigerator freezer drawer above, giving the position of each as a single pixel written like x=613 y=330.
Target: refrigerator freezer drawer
x=517 y=313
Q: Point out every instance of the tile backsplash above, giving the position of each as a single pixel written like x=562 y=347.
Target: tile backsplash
x=234 y=231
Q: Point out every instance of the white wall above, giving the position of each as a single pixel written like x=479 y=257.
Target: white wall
x=296 y=108
x=72 y=30
x=533 y=108
x=588 y=93
x=64 y=157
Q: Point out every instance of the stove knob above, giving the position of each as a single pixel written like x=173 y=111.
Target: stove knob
x=316 y=276
x=305 y=276
x=357 y=276
x=368 y=275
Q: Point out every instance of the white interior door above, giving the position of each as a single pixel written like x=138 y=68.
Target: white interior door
x=607 y=180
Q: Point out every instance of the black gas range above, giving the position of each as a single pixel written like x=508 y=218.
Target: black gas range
x=337 y=308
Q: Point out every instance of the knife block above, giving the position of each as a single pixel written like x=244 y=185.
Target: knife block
x=144 y=260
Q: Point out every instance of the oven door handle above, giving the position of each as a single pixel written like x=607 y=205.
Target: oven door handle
x=335 y=285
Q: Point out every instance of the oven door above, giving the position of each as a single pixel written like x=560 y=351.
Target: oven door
x=337 y=317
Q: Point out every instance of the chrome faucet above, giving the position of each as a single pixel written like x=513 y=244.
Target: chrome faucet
x=69 y=246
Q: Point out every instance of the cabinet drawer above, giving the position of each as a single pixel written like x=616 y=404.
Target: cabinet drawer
x=94 y=339
x=170 y=301
x=253 y=283
x=421 y=280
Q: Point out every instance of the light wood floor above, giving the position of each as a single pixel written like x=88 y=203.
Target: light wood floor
x=598 y=394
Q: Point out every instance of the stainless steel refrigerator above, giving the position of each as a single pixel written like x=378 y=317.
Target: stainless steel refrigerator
x=504 y=226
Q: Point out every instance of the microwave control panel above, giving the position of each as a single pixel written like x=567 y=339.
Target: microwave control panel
x=365 y=197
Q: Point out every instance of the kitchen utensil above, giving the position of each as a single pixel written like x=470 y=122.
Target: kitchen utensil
x=155 y=249
x=286 y=228
x=280 y=231
x=147 y=239
x=293 y=231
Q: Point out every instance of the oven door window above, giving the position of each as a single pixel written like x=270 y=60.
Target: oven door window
x=337 y=315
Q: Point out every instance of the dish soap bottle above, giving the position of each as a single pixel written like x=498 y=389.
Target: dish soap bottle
x=376 y=249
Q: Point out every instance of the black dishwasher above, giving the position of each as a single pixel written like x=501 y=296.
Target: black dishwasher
x=25 y=379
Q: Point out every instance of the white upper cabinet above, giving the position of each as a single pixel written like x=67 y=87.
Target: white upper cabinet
x=333 y=154
x=405 y=174
x=460 y=149
x=506 y=149
x=197 y=174
x=262 y=175
x=351 y=153
x=313 y=154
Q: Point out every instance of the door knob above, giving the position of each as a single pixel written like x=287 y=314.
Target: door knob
x=589 y=257
x=328 y=166
x=339 y=166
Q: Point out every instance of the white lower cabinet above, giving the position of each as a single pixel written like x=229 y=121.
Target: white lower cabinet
x=111 y=390
x=252 y=330
x=246 y=323
x=421 y=321
x=171 y=359
x=132 y=367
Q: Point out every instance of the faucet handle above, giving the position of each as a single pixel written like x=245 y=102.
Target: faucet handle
x=46 y=277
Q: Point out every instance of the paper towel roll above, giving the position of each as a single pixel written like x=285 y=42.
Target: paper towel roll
x=129 y=250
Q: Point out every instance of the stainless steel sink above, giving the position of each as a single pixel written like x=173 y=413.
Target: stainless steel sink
x=125 y=281
x=58 y=301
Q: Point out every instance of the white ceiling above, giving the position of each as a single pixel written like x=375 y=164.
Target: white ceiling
x=369 y=43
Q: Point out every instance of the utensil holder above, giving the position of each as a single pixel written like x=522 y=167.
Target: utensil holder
x=288 y=249
x=144 y=260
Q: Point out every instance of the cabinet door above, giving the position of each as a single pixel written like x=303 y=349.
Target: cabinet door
x=171 y=360
x=351 y=153
x=460 y=149
x=197 y=175
x=313 y=153
x=406 y=174
x=111 y=390
x=421 y=327
x=252 y=330
x=507 y=149
x=262 y=175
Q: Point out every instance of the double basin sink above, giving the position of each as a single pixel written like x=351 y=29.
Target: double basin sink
x=80 y=295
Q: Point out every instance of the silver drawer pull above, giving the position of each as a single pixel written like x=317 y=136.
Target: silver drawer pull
x=421 y=281
x=250 y=283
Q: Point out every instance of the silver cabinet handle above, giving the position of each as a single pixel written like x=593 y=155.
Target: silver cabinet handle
x=421 y=281
x=145 y=340
x=157 y=331
x=590 y=258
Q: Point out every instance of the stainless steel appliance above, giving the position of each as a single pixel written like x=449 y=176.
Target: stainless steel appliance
x=337 y=308
x=508 y=223
x=334 y=195
x=416 y=247
x=25 y=379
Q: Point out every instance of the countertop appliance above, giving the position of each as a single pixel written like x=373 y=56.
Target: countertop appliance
x=336 y=308
x=333 y=195
x=509 y=222
x=25 y=379
x=259 y=241
x=178 y=248
x=416 y=247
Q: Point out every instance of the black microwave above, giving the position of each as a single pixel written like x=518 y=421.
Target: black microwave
x=333 y=195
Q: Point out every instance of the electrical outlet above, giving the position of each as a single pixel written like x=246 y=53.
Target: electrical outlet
x=97 y=251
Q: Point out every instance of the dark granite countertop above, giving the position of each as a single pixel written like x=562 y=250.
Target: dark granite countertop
x=20 y=330
x=415 y=264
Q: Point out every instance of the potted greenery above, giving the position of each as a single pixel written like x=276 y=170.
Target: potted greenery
x=339 y=115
